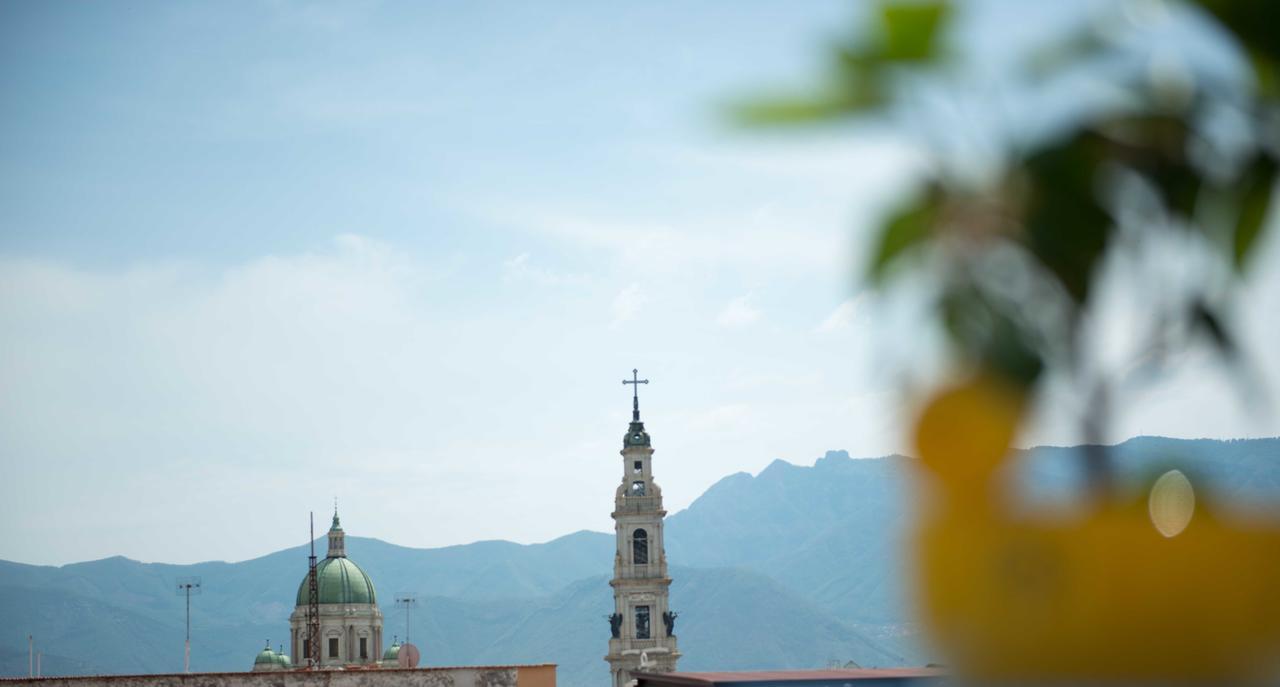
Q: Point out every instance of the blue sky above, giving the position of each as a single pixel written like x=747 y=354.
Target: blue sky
x=254 y=256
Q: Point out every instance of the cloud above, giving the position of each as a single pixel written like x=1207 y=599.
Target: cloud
x=738 y=313
x=627 y=304
x=520 y=268
x=842 y=318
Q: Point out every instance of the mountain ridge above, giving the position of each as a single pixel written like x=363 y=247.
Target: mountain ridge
x=812 y=552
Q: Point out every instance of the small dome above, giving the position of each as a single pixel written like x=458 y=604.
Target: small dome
x=283 y=660
x=635 y=436
x=392 y=653
x=340 y=581
x=266 y=657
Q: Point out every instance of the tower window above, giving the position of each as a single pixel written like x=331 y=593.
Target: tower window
x=306 y=648
x=364 y=647
x=642 y=622
x=640 y=547
x=637 y=488
x=333 y=647
x=637 y=467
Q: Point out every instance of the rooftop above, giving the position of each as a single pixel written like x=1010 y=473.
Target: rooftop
x=813 y=678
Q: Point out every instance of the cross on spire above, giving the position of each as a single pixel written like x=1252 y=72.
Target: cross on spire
x=635 y=398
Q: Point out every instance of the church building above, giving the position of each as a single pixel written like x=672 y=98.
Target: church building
x=350 y=622
x=642 y=623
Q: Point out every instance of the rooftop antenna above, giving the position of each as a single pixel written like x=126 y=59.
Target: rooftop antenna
x=407 y=601
x=188 y=586
x=313 y=602
x=31 y=656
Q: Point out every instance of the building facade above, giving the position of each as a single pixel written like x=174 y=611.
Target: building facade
x=350 y=622
x=642 y=624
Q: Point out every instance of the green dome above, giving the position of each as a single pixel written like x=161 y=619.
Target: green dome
x=266 y=657
x=340 y=581
x=283 y=660
x=392 y=653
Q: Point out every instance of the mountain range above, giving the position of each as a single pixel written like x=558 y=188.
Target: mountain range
x=796 y=567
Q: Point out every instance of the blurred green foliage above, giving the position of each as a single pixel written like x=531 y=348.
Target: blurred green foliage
x=1017 y=252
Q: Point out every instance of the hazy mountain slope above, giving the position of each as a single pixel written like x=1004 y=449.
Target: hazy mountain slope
x=794 y=567
x=831 y=532
x=1236 y=473
x=739 y=620
x=836 y=533
x=79 y=634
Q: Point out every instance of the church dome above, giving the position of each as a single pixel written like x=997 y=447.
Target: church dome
x=266 y=657
x=392 y=654
x=340 y=581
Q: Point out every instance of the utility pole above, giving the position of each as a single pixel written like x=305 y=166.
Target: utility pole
x=31 y=656
x=188 y=586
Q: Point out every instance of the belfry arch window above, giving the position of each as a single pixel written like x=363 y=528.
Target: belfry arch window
x=637 y=488
x=640 y=547
x=642 y=622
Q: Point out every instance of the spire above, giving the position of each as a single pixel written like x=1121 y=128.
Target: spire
x=636 y=436
x=635 y=397
x=336 y=525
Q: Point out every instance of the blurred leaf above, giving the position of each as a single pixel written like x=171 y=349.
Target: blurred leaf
x=986 y=332
x=805 y=110
x=1179 y=185
x=1205 y=319
x=1011 y=353
x=1067 y=229
x=910 y=30
x=1156 y=146
x=910 y=226
x=1257 y=183
x=1253 y=22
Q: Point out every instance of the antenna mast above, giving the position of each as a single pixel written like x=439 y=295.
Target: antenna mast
x=407 y=601
x=313 y=603
x=188 y=586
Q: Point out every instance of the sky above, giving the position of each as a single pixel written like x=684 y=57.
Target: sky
x=256 y=256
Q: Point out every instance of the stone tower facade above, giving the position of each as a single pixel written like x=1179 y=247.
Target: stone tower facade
x=642 y=623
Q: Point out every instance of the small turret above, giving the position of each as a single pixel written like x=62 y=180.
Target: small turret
x=337 y=545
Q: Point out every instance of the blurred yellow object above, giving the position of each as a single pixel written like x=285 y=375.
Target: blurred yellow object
x=1145 y=589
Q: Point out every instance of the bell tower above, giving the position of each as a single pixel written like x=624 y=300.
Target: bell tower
x=642 y=625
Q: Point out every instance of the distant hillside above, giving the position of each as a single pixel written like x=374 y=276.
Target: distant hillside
x=736 y=620
x=790 y=568
x=831 y=532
